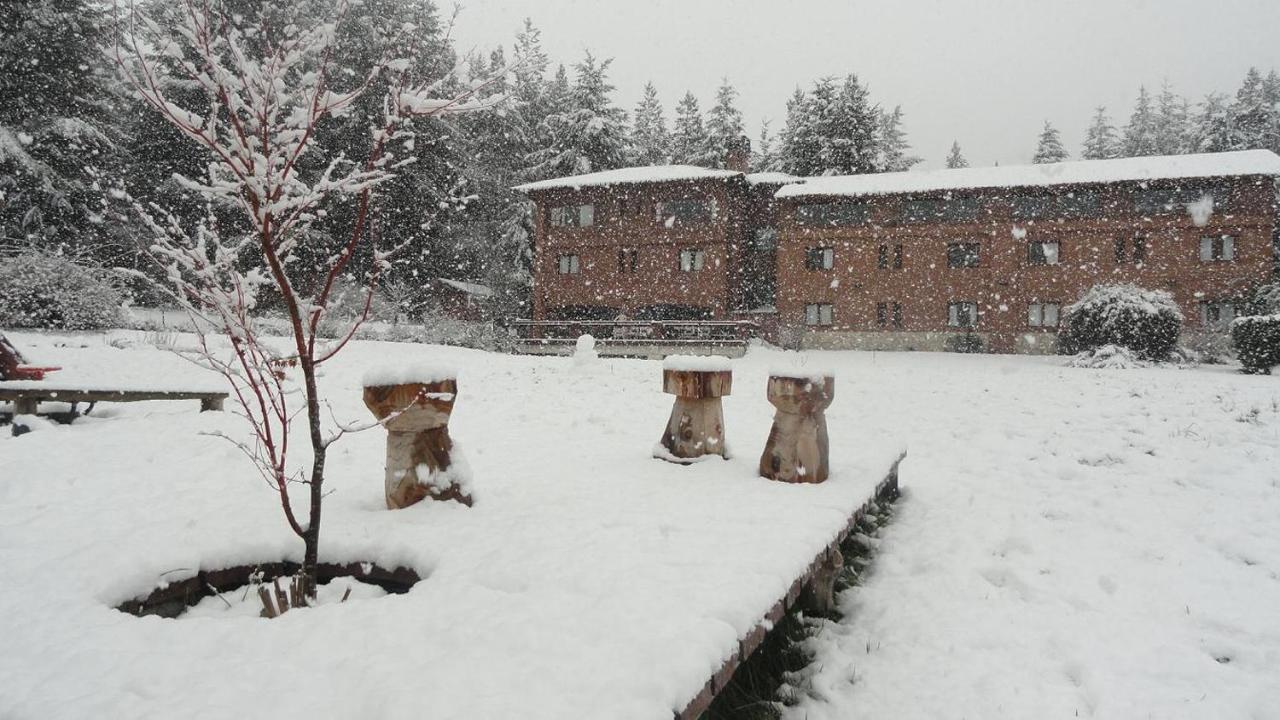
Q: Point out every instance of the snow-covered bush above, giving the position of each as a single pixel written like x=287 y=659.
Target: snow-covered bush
x=1107 y=357
x=1147 y=322
x=965 y=343
x=1257 y=342
x=42 y=290
x=1266 y=300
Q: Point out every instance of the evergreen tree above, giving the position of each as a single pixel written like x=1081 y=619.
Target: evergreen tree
x=1140 y=136
x=1271 y=104
x=893 y=143
x=955 y=160
x=1250 y=115
x=1212 y=130
x=650 y=143
x=1100 y=141
x=589 y=135
x=799 y=154
x=59 y=156
x=846 y=127
x=724 y=127
x=1050 y=149
x=689 y=139
x=764 y=158
x=1171 y=123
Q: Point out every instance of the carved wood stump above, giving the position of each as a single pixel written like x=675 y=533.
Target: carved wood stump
x=798 y=448
x=696 y=426
x=419 y=449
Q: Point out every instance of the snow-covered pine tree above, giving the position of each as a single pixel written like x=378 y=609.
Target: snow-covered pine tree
x=649 y=143
x=764 y=156
x=724 y=127
x=847 y=127
x=59 y=158
x=688 y=137
x=1049 y=149
x=799 y=152
x=893 y=143
x=590 y=134
x=1100 y=141
x=1271 y=103
x=1171 y=122
x=1140 y=138
x=955 y=160
x=1212 y=129
x=1250 y=116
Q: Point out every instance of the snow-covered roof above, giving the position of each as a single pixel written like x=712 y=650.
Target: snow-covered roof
x=772 y=178
x=1170 y=167
x=630 y=175
x=468 y=288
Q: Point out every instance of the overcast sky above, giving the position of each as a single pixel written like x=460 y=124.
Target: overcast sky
x=985 y=72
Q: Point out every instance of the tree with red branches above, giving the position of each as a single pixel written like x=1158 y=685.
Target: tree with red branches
x=267 y=85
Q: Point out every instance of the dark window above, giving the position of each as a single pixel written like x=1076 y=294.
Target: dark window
x=1032 y=206
x=935 y=209
x=817 y=314
x=1079 y=204
x=1217 y=249
x=1217 y=313
x=764 y=239
x=628 y=258
x=569 y=265
x=573 y=216
x=883 y=257
x=819 y=258
x=1073 y=204
x=885 y=312
x=1140 y=249
x=1042 y=253
x=1134 y=248
x=834 y=214
x=962 y=314
x=1182 y=199
x=684 y=212
x=962 y=255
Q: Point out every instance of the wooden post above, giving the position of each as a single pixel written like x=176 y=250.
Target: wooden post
x=420 y=461
x=696 y=425
x=798 y=448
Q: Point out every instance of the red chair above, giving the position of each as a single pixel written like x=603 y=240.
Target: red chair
x=12 y=367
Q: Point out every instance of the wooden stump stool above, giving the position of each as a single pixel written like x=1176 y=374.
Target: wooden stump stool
x=696 y=426
x=420 y=453
x=798 y=448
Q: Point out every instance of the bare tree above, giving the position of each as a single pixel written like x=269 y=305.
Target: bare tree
x=267 y=86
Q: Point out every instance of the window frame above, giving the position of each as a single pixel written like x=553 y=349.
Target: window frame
x=582 y=215
x=834 y=213
x=693 y=260
x=820 y=258
x=569 y=264
x=964 y=263
x=1042 y=258
x=628 y=259
x=666 y=218
x=1221 y=248
x=1037 y=314
x=1215 y=308
x=813 y=315
x=954 y=309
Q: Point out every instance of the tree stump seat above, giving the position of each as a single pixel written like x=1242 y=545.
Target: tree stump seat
x=420 y=454
x=696 y=426
x=798 y=448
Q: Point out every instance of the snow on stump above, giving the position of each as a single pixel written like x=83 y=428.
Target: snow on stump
x=798 y=448
x=414 y=405
x=696 y=426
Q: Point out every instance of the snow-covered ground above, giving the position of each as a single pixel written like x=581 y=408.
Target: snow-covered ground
x=1099 y=543
x=589 y=580
x=1072 y=543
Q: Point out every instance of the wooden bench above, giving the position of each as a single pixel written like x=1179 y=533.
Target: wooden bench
x=26 y=398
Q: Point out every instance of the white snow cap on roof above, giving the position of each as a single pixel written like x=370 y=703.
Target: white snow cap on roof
x=1165 y=167
x=772 y=178
x=624 y=176
x=468 y=288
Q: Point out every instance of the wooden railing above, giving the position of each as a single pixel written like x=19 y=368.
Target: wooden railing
x=661 y=333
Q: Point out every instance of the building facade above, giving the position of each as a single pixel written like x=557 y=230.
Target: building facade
x=918 y=260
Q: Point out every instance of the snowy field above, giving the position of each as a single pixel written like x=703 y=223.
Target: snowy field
x=590 y=580
x=1072 y=542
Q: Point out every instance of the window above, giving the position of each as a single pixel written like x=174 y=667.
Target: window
x=889 y=311
x=962 y=255
x=1217 y=249
x=1217 y=313
x=628 y=258
x=1176 y=199
x=573 y=216
x=1042 y=314
x=819 y=258
x=883 y=261
x=1042 y=253
x=1032 y=206
x=962 y=314
x=1133 y=248
x=764 y=239
x=1073 y=204
x=834 y=214
x=952 y=209
x=692 y=260
x=1079 y=204
x=689 y=211
x=569 y=265
x=817 y=314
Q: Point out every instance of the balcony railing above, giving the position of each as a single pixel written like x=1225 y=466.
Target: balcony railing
x=548 y=336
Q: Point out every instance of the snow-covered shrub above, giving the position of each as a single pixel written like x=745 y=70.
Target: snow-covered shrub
x=1147 y=322
x=42 y=290
x=1107 y=357
x=1266 y=300
x=1257 y=342
x=965 y=343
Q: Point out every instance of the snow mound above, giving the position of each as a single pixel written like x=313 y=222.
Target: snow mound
x=697 y=363
x=1107 y=357
x=584 y=351
x=405 y=374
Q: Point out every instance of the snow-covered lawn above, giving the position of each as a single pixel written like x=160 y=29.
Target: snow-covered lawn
x=1072 y=542
x=1104 y=542
x=589 y=580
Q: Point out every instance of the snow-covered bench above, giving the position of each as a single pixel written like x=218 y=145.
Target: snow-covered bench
x=26 y=395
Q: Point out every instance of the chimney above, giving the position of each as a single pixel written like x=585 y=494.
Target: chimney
x=738 y=155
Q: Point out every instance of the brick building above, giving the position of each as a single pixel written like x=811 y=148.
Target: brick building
x=904 y=260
